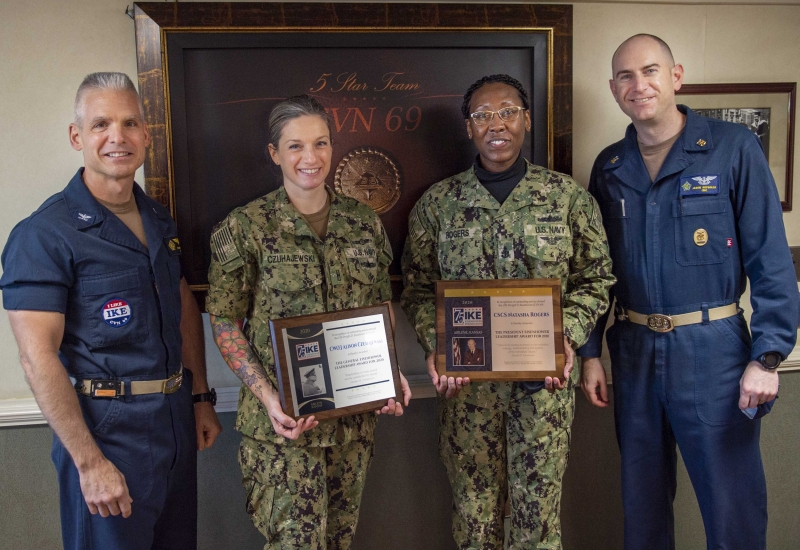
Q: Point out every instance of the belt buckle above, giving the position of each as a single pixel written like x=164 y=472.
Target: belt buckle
x=105 y=388
x=173 y=383
x=659 y=323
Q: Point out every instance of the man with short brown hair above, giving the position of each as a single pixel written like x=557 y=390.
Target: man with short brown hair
x=691 y=212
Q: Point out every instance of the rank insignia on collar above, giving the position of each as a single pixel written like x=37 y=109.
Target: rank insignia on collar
x=701 y=142
x=615 y=159
x=84 y=217
x=173 y=244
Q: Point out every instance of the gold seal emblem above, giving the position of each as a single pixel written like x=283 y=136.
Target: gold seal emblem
x=369 y=176
x=701 y=237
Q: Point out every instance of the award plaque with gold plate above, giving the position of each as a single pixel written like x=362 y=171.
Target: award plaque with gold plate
x=499 y=330
x=336 y=364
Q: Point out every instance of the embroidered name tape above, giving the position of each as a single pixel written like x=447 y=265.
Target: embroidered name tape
x=454 y=234
x=548 y=229
x=291 y=258
x=707 y=184
x=359 y=252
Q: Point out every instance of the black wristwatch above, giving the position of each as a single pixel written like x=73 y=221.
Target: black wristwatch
x=203 y=397
x=771 y=360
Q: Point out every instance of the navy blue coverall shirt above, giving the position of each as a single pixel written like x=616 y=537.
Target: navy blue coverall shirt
x=687 y=242
x=122 y=308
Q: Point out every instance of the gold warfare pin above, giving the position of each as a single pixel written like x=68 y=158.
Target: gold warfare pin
x=701 y=237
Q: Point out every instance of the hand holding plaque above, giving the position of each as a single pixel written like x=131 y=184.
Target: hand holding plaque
x=500 y=329
x=336 y=364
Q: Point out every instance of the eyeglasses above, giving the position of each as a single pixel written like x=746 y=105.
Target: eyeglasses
x=506 y=114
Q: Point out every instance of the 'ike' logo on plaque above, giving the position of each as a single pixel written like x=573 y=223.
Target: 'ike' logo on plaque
x=467 y=316
x=308 y=350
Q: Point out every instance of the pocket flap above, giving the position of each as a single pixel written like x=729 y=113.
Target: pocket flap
x=698 y=207
x=361 y=271
x=110 y=282
x=293 y=279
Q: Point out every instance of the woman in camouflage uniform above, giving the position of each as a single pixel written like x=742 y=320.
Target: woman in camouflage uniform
x=505 y=218
x=300 y=249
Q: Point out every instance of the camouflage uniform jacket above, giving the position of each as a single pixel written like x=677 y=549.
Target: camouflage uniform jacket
x=549 y=227
x=268 y=263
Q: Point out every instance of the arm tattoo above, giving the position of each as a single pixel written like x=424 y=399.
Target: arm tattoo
x=238 y=354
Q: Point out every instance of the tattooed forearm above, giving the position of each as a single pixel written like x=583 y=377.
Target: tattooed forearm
x=239 y=356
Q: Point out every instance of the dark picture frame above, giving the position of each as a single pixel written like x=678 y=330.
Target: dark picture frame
x=456 y=300
x=319 y=364
x=166 y=31
x=767 y=109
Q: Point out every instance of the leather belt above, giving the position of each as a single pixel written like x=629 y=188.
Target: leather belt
x=117 y=388
x=665 y=323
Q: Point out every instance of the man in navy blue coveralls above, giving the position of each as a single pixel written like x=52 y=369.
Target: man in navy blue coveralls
x=102 y=318
x=684 y=240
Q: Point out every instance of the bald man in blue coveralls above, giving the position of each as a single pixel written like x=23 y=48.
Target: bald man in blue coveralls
x=109 y=337
x=691 y=212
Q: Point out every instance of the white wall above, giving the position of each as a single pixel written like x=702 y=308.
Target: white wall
x=716 y=44
x=47 y=46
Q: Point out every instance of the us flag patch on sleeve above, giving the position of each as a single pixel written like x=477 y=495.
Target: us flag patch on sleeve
x=222 y=245
x=387 y=246
x=415 y=226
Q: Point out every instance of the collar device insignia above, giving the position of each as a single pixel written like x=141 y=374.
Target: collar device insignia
x=173 y=244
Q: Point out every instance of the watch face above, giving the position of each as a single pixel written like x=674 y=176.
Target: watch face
x=771 y=360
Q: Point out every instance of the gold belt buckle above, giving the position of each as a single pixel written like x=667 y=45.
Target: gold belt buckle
x=173 y=383
x=659 y=323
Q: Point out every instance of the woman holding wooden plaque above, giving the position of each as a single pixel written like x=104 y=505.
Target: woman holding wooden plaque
x=301 y=249
x=504 y=218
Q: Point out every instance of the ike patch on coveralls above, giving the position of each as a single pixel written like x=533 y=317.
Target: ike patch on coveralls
x=707 y=184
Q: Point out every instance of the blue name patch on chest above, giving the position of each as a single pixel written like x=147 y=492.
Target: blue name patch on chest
x=707 y=184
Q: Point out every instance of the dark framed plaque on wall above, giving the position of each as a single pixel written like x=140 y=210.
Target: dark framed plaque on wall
x=392 y=76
